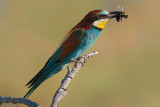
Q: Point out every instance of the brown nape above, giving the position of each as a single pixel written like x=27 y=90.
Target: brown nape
x=86 y=21
x=93 y=13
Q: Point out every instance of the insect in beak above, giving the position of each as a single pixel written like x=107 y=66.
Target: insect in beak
x=118 y=15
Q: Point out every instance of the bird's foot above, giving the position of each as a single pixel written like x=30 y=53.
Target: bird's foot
x=84 y=58
x=72 y=60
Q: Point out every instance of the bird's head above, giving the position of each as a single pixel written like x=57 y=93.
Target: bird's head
x=99 y=18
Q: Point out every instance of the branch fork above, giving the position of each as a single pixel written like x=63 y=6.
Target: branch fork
x=62 y=90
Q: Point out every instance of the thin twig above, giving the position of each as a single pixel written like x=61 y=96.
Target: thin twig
x=61 y=92
x=14 y=100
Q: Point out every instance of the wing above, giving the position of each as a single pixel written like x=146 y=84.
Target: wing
x=67 y=47
x=64 y=50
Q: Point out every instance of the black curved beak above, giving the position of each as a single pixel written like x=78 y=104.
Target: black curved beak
x=118 y=15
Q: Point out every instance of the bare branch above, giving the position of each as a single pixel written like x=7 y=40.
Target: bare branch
x=14 y=100
x=61 y=92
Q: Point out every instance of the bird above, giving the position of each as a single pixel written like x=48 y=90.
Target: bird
x=79 y=39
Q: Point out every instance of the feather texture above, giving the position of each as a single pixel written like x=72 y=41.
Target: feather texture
x=79 y=40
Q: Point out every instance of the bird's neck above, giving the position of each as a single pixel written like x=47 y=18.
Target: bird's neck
x=94 y=31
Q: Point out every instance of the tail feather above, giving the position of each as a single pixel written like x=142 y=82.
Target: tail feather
x=34 y=83
x=40 y=77
x=31 y=90
x=35 y=78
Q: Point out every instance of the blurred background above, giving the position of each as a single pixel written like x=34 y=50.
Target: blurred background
x=125 y=73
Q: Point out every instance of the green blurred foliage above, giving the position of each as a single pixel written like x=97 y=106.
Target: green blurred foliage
x=125 y=73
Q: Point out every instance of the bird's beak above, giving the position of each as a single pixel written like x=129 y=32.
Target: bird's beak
x=118 y=15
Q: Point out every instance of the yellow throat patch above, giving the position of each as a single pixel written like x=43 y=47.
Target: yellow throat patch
x=100 y=23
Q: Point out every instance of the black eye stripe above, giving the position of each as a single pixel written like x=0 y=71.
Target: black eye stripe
x=98 y=17
x=101 y=16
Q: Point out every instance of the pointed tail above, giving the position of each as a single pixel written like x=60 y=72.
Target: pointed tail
x=41 y=77
x=32 y=89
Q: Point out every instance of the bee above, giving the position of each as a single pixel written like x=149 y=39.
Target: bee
x=119 y=14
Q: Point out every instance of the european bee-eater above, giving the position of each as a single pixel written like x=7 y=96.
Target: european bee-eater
x=79 y=39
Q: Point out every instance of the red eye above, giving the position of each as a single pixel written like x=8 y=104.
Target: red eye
x=100 y=16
